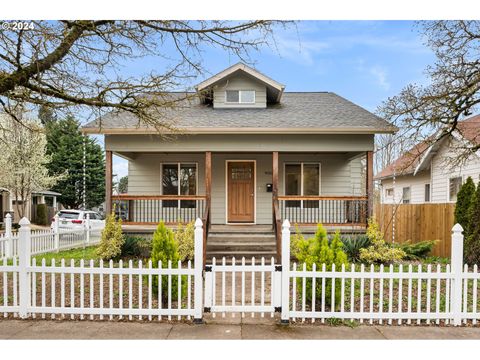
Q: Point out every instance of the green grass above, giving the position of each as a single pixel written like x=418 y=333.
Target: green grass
x=87 y=254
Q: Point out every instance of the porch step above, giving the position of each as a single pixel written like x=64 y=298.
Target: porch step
x=237 y=244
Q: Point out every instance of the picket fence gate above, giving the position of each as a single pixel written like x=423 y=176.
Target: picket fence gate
x=377 y=294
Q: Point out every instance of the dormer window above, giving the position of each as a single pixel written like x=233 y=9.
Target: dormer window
x=240 y=96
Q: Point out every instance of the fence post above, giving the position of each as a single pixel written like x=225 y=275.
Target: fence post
x=285 y=317
x=198 y=277
x=457 y=272
x=56 y=234
x=24 y=241
x=87 y=229
x=8 y=236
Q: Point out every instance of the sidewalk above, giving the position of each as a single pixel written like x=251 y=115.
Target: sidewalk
x=236 y=328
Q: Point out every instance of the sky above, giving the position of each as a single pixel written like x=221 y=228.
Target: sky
x=363 y=61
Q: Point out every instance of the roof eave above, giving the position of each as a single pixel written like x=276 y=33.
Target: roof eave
x=233 y=130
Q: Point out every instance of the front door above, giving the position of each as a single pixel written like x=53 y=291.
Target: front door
x=241 y=191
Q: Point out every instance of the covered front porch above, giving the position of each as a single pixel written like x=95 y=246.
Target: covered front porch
x=257 y=188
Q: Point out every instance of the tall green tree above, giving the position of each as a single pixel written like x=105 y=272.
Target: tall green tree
x=464 y=202
x=471 y=249
x=65 y=147
x=123 y=185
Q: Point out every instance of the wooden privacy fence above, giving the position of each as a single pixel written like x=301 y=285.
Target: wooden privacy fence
x=417 y=222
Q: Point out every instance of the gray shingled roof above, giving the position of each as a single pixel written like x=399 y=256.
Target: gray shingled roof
x=297 y=110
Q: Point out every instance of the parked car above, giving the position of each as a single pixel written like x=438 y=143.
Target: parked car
x=75 y=219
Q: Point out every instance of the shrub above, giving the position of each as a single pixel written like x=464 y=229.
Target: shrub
x=136 y=246
x=318 y=251
x=465 y=198
x=297 y=242
x=379 y=252
x=353 y=244
x=418 y=250
x=165 y=249
x=471 y=253
x=185 y=237
x=42 y=214
x=112 y=238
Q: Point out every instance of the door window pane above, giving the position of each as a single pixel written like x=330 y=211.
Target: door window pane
x=293 y=185
x=170 y=183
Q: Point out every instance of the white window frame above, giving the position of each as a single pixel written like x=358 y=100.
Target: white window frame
x=403 y=192
x=179 y=163
x=429 y=192
x=448 y=187
x=240 y=97
x=301 y=163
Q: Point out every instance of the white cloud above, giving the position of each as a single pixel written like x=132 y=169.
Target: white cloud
x=120 y=167
x=299 y=51
x=380 y=75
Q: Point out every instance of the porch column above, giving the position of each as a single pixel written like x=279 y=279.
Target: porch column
x=275 y=209
x=108 y=182
x=208 y=176
x=369 y=183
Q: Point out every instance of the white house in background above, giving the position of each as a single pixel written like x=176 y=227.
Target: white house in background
x=427 y=174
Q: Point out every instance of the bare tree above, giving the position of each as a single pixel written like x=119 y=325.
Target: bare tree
x=65 y=64
x=431 y=112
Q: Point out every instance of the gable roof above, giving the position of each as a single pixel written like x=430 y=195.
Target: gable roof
x=299 y=112
x=418 y=158
x=241 y=67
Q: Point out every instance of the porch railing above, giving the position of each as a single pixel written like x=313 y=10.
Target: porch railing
x=328 y=210
x=150 y=209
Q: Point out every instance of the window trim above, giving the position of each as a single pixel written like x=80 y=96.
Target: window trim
x=387 y=190
x=301 y=163
x=179 y=164
x=429 y=193
x=240 y=97
x=448 y=187
x=410 y=193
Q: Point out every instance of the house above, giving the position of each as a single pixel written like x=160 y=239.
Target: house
x=8 y=204
x=247 y=153
x=432 y=172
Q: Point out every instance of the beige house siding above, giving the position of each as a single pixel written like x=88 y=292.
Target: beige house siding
x=239 y=82
x=340 y=175
x=241 y=142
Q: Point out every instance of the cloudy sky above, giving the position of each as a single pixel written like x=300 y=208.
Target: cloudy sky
x=363 y=61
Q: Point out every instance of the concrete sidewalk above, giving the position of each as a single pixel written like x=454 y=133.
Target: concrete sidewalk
x=220 y=329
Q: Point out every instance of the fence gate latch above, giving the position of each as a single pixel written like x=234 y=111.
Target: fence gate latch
x=278 y=267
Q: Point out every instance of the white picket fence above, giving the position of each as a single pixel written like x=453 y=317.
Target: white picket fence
x=48 y=240
x=96 y=290
x=421 y=294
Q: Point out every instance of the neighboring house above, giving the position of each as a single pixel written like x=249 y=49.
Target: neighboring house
x=8 y=203
x=247 y=153
x=432 y=173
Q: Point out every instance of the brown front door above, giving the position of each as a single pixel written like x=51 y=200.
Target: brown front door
x=241 y=191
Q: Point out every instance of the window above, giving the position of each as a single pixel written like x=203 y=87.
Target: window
x=179 y=179
x=240 y=96
x=427 y=192
x=389 y=192
x=454 y=187
x=302 y=179
x=406 y=195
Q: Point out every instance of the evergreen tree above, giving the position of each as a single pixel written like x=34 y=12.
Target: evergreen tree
x=471 y=249
x=65 y=146
x=46 y=115
x=123 y=185
x=464 y=201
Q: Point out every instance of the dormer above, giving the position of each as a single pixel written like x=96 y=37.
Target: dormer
x=240 y=86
